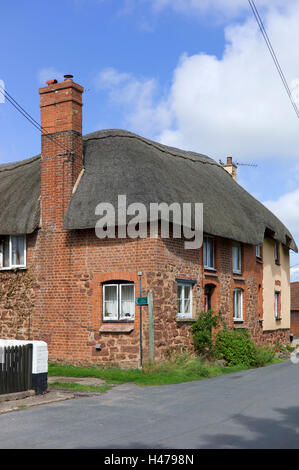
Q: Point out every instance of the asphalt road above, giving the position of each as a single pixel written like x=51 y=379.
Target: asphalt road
x=251 y=409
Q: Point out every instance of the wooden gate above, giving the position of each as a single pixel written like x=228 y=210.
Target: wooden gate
x=16 y=369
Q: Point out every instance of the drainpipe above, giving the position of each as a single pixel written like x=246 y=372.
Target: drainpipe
x=140 y=291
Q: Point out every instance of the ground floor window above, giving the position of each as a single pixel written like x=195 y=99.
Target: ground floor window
x=119 y=301
x=276 y=304
x=184 y=300
x=12 y=251
x=238 y=304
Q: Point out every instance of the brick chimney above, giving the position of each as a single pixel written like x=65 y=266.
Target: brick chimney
x=231 y=168
x=61 y=121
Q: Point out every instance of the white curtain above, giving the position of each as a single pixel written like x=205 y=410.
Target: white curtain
x=110 y=302
x=18 y=249
x=127 y=302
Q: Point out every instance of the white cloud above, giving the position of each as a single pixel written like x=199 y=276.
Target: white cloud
x=237 y=104
x=234 y=105
x=286 y=208
x=137 y=97
x=49 y=73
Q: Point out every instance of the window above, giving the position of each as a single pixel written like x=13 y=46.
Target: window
x=12 y=251
x=185 y=300
x=119 y=301
x=208 y=252
x=237 y=258
x=276 y=305
x=276 y=252
x=258 y=250
x=238 y=304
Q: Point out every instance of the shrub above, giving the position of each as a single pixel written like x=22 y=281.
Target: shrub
x=263 y=356
x=202 y=332
x=235 y=347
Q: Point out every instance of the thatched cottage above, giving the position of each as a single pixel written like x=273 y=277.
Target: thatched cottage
x=62 y=284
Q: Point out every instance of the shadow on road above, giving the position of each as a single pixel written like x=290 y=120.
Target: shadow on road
x=280 y=433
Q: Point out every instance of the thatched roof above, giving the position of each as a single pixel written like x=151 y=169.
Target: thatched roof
x=19 y=196
x=119 y=162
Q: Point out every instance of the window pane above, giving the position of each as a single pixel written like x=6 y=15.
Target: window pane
x=187 y=303
x=258 y=251
x=205 y=257
x=18 y=250
x=209 y=252
x=237 y=301
x=236 y=258
x=180 y=292
x=5 y=251
x=276 y=304
x=127 y=301
x=110 y=302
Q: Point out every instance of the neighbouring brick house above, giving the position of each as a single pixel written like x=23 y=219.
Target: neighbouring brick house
x=295 y=309
x=61 y=284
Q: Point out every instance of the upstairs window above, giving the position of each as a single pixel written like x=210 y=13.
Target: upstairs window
x=119 y=301
x=237 y=258
x=184 y=300
x=276 y=252
x=238 y=304
x=258 y=251
x=208 y=253
x=12 y=251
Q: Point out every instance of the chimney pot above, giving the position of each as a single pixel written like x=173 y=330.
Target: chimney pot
x=229 y=161
x=68 y=77
x=51 y=82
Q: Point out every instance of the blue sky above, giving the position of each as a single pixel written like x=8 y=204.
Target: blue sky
x=194 y=74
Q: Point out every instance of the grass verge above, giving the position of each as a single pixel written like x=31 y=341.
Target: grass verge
x=182 y=369
x=75 y=387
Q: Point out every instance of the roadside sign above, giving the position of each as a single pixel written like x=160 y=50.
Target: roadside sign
x=141 y=301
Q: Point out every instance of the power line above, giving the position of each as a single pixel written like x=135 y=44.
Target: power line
x=29 y=118
x=273 y=55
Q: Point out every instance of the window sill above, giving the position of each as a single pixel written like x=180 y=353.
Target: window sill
x=238 y=278
x=240 y=327
x=16 y=268
x=238 y=320
x=185 y=319
x=278 y=318
x=117 y=328
x=209 y=273
x=259 y=260
x=277 y=263
x=206 y=268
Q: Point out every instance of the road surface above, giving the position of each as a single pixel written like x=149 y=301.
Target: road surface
x=250 y=409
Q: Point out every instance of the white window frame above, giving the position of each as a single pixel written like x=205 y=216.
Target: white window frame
x=207 y=242
x=237 y=251
x=258 y=251
x=118 y=289
x=241 y=292
x=11 y=265
x=184 y=314
x=276 y=304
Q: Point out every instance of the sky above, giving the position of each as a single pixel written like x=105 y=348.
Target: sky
x=195 y=74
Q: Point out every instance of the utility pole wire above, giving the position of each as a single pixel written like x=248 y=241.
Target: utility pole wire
x=272 y=52
x=29 y=118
